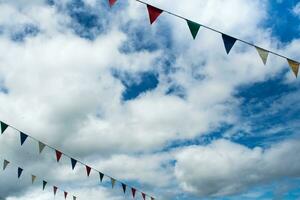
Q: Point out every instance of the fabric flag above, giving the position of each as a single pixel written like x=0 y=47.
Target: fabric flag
x=44 y=184
x=144 y=195
x=73 y=162
x=124 y=188
x=23 y=137
x=88 y=170
x=65 y=194
x=113 y=182
x=74 y=198
x=41 y=147
x=58 y=155
x=152 y=198
x=194 y=28
x=3 y=127
x=263 y=54
x=101 y=176
x=228 y=42
x=112 y=2
x=294 y=66
x=153 y=13
x=54 y=190
x=33 y=177
x=20 y=170
x=5 y=163
x=133 y=190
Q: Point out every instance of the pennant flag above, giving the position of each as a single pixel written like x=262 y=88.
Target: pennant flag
x=73 y=162
x=152 y=198
x=33 y=177
x=44 y=184
x=58 y=155
x=133 y=190
x=54 y=190
x=124 y=188
x=112 y=2
x=74 y=198
x=23 y=137
x=144 y=196
x=228 y=42
x=88 y=170
x=263 y=54
x=194 y=28
x=153 y=13
x=5 y=163
x=294 y=66
x=113 y=182
x=101 y=176
x=41 y=147
x=3 y=127
x=20 y=170
x=65 y=194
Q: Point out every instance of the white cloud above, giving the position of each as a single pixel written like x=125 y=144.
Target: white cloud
x=296 y=10
x=226 y=168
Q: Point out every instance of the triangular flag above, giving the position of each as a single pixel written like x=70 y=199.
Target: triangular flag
x=23 y=137
x=20 y=170
x=88 y=170
x=152 y=198
x=54 y=190
x=124 y=187
x=44 y=184
x=65 y=194
x=73 y=162
x=228 y=42
x=58 y=155
x=3 y=127
x=33 y=177
x=133 y=190
x=5 y=163
x=144 y=196
x=153 y=13
x=263 y=54
x=113 y=182
x=74 y=198
x=194 y=28
x=294 y=66
x=41 y=147
x=101 y=176
x=112 y=2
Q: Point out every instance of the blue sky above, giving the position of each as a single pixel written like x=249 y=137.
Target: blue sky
x=183 y=107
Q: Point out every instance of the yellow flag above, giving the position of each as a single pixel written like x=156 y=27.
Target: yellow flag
x=33 y=177
x=263 y=54
x=294 y=66
x=113 y=181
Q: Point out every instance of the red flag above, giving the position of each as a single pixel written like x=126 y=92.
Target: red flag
x=133 y=190
x=153 y=13
x=54 y=190
x=66 y=194
x=58 y=155
x=112 y=2
x=144 y=196
x=88 y=170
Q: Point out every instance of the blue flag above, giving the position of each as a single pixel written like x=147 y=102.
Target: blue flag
x=228 y=42
x=23 y=137
x=20 y=170
x=73 y=162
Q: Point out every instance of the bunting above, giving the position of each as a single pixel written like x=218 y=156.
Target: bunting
x=33 y=177
x=41 y=147
x=124 y=187
x=20 y=170
x=194 y=28
x=101 y=176
x=153 y=13
x=88 y=170
x=58 y=155
x=112 y=2
x=294 y=66
x=73 y=162
x=133 y=191
x=3 y=127
x=5 y=163
x=228 y=42
x=263 y=54
x=54 y=190
x=23 y=137
x=44 y=184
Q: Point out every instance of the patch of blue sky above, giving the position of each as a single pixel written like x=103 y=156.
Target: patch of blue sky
x=20 y=33
x=282 y=22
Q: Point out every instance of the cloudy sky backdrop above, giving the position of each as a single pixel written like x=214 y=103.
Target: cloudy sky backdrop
x=148 y=105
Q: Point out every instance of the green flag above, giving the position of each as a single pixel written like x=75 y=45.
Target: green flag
x=194 y=28
x=3 y=127
x=263 y=54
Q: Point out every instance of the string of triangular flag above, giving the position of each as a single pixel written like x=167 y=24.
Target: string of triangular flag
x=20 y=172
x=59 y=154
x=229 y=41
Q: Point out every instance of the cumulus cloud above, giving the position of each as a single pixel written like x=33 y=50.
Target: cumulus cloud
x=226 y=168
